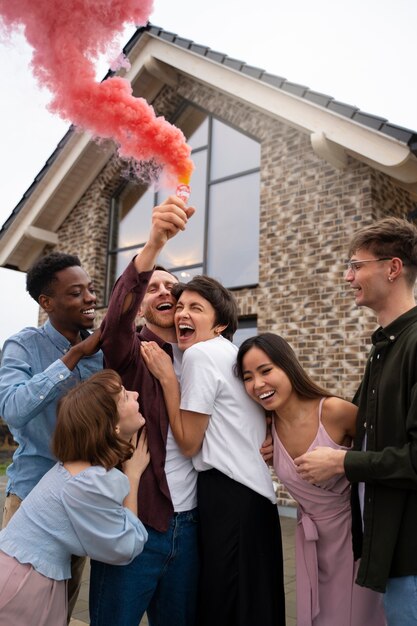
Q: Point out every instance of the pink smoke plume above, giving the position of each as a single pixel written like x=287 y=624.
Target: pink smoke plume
x=67 y=36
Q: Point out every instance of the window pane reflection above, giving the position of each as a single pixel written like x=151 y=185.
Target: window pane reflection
x=117 y=263
x=187 y=248
x=200 y=137
x=134 y=216
x=194 y=124
x=246 y=328
x=233 y=232
x=232 y=152
x=184 y=276
x=222 y=238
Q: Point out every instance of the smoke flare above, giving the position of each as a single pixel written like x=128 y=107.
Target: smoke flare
x=67 y=36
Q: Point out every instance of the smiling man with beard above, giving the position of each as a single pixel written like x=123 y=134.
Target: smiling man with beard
x=163 y=580
x=38 y=366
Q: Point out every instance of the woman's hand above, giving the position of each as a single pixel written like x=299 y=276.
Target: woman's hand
x=134 y=468
x=139 y=461
x=157 y=361
x=267 y=448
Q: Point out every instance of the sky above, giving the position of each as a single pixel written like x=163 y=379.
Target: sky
x=362 y=53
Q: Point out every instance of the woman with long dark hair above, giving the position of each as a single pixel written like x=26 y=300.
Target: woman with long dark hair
x=305 y=416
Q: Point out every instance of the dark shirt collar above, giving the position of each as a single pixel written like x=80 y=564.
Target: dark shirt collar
x=147 y=335
x=391 y=332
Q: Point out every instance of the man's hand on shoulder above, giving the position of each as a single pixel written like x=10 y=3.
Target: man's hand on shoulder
x=91 y=344
x=87 y=347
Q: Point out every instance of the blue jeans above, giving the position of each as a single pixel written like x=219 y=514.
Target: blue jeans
x=400 y=601
x=162 y=580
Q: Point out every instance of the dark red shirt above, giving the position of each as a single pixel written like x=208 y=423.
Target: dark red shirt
x=121 y=348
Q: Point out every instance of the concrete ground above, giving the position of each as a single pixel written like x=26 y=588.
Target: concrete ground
x=80 y=615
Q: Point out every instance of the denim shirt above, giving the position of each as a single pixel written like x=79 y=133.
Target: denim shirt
x=32 y=379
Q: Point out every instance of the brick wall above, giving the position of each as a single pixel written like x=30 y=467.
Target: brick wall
x=309 y=210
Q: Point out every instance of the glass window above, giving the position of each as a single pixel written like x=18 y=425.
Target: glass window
x=135 y=211
x=122 y=261
x=233 y=231
x=200 y=137
x=187 y=248
x=222 y=238
x=184 y=276
x=232 y=151
x=117 y=262
x=247 y=328
x=194 y=123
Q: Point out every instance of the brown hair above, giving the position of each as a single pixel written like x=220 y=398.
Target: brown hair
x=161 y=268
x=220 y=298
x=87 y=420
x=390 y=237
x=282 y=355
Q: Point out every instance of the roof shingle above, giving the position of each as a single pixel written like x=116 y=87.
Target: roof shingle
x=404 y=135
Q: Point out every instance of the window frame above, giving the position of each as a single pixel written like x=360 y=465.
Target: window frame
x=209 y=183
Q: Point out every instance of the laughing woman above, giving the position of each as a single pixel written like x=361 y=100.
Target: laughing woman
x=218 y=425
x=306 y=416
x=82 y=506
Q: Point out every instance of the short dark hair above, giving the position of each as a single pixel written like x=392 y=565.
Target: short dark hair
x=390 y=237
x=86 y=423
x=41 y=276
x=220 y=298
x=282 y=355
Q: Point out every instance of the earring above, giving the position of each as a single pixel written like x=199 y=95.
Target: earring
x=390 y=278
x=117 y=430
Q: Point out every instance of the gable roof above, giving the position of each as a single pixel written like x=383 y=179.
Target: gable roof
x=381 y=124
x=157 y=58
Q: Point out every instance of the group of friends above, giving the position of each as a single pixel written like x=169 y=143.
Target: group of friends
x=173 y=501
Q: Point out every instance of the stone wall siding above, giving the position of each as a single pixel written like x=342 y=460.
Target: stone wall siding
x=309 y=210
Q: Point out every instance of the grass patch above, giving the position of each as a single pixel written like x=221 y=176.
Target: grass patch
x=5 y=459
x=3 y=466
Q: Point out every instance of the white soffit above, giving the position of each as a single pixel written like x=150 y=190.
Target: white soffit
x=57 y=192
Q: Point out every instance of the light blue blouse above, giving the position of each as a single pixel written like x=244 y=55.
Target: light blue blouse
x=82 y=515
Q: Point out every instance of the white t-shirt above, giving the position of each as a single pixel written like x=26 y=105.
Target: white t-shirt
x=237 y=426
x=179 y=470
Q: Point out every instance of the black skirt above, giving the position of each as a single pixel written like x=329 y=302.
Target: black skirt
x=242 y=572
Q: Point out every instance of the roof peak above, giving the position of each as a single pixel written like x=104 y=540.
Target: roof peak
x=381 y=124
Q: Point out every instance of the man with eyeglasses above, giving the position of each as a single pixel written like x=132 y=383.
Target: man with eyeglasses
x=382 y=466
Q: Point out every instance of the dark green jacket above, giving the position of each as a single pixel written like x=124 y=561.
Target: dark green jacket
x=387 y=400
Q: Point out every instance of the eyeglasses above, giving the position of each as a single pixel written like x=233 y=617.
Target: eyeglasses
x=354 y=265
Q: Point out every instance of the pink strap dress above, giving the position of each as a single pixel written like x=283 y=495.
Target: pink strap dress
x=325 y=569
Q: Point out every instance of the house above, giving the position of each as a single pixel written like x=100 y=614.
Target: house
x=284 y=175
